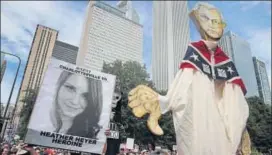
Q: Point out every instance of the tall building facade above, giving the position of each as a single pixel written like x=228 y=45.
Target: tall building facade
x=2 y=58
x=109 y=35
x=3 y=69
x=239 y=51
x=171 y=37
x=262 y=80
x=38 y=59
x=65 y=52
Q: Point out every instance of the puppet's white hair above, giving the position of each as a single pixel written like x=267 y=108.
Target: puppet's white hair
x=207 y=5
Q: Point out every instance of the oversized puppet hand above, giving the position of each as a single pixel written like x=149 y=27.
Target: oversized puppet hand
x=143 y=100
x=246 y=143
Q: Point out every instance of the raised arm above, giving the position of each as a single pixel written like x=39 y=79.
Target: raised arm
x=143 y=100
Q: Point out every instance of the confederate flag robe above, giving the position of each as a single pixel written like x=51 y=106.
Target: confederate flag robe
x=207 y=103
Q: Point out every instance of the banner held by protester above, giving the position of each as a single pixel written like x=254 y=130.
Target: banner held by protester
x=72 y=110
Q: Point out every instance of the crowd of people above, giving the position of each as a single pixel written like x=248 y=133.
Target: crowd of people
x=21 y=148
x=25 y=149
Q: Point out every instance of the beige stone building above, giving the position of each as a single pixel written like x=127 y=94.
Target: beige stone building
x=38 y=59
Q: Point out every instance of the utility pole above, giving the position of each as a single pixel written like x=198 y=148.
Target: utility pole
x=3 y=120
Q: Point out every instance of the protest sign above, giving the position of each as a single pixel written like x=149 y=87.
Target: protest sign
x=130 y=143
x=72 y=110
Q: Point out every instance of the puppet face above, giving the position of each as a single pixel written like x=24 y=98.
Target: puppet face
x=209 y=22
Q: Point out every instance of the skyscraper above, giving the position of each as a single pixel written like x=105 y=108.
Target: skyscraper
x=2 y=58
x=239 y=51
x=38 y=59
x=109 y=35
x=262 y=80
x=3 y=69
x=65 y=52
x=171 y=37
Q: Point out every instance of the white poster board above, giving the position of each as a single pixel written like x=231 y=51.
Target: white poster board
x=113 y=134
x=130 y=143
x=174 y=147
x=72 y=110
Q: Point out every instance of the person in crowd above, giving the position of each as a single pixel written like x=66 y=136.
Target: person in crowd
x=78 y=105
x=5 y=151
x=144 y=152
x=174 y=152
x=38 y=151
x=5 y=145
x=13 y=150
x=151 y=147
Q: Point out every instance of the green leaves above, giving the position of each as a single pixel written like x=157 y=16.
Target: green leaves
x=128 y=76
x=259 y=124
x=26 y=111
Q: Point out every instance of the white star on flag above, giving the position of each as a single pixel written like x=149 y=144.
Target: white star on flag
x=230 y=70
x=195 y=57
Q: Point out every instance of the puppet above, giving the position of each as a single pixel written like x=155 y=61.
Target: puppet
x=206 y=97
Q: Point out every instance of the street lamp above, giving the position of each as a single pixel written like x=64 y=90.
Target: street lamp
x=10 y=95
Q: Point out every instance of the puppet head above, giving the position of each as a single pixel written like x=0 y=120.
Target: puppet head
x=208 y=21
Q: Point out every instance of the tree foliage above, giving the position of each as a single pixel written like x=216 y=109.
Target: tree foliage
x=128 y=76
x=26 y=111
x=259 y=124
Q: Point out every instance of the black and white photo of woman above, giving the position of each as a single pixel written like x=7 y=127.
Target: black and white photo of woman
x=77 y=105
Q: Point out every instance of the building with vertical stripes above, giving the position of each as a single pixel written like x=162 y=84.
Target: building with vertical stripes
x=65 y=52
x=262 y=80
x=238 y=49
x=171 y=37
x=108 y=34
x=38 y=59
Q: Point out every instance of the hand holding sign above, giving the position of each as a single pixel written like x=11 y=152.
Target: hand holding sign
x=143 y=100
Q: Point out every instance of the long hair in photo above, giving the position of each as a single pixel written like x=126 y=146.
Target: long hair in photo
x=84 y=124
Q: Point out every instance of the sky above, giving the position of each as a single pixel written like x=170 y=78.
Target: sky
x=251 y=20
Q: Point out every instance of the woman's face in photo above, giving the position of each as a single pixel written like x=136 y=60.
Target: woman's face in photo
x=72 y=96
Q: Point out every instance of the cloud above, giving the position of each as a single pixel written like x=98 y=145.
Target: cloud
x=247 y=5
x=260 y=42
x=145 y=12
x=18 y=25
x=6 y=85
x=18 y=49
x=19 y=20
